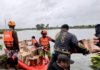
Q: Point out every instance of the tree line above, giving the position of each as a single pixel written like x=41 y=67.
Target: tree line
x=46 y=26
x=43 y=26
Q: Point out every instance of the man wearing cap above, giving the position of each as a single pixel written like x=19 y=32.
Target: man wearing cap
x=62 y=63
x=64 y=40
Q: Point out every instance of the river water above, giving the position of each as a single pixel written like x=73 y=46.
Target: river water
x=81 y=62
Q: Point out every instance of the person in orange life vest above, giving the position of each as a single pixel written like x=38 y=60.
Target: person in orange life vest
x=11 y=42
x=44 y=42
x=35 y=43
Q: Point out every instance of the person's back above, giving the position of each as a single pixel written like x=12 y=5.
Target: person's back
x=11 y=43
x=64 y=42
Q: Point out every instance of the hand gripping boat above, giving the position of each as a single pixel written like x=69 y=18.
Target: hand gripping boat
x=36 y=67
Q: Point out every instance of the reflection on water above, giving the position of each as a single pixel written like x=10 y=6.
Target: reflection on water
x=81 y=62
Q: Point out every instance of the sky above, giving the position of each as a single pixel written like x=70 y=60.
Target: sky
x=29 y=13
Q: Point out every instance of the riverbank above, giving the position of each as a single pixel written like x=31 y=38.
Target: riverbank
x=51 y=28
x=2 y=30
x=3 y=62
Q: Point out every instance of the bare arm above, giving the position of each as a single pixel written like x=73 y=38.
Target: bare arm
x=28 y=40
x=30 y=45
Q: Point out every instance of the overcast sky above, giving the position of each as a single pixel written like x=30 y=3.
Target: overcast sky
x=28 y=13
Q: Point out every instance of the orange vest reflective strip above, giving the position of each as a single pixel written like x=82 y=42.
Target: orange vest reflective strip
x=8 y=39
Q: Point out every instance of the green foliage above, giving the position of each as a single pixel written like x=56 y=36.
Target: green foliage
x=40 y=26
x=1 y=37
x=1 y=46
x=83 y=26
x=1 y=31
x=3 y=61
x=95 y=59
x=47 y=26
x=43 y=26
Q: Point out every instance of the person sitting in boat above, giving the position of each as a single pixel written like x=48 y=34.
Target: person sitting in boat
x=44 y=42
x=11 y=43
x=62 y=63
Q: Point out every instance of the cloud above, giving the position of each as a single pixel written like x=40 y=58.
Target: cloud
x=28 y=13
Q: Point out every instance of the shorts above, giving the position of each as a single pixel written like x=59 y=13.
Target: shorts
x=47 y=53
x=12 y=52
x=38 y=51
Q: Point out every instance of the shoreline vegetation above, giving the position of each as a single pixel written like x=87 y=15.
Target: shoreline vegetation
x=43 y=26
x=1 y=37
x=3 y=62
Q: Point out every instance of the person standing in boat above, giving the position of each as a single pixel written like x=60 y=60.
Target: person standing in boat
x=62 y=63
x=11 y=43
x=44 y=41
x=63 y=43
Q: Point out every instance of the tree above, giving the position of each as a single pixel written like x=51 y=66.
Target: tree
x=47 y=26
x=89 y=26
x=38 y=26
x=42 y=26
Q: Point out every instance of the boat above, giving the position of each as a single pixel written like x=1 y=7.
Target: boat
x=36 y=67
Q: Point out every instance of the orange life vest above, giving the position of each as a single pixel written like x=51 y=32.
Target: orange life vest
x=8 y=39
x=45 y=43
x=33 y=42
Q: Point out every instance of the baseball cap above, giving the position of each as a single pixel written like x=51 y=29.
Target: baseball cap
x=64 y=58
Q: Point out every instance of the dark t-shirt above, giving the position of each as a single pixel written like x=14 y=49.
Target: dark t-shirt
x=56 y=67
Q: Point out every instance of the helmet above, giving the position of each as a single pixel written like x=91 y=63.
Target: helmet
x=11 y=23
x=44 y=32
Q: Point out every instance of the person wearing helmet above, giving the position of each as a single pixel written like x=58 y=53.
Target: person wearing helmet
x=44 y=42
x=11 y=43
